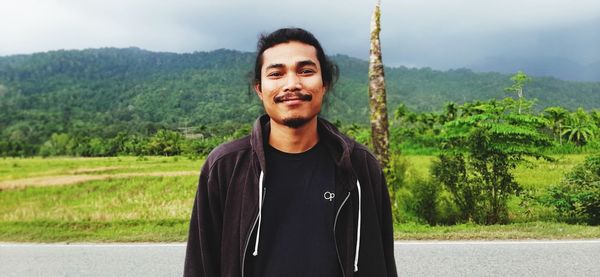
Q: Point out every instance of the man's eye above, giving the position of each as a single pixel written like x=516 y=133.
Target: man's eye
x=307 y=71
x=274 y=74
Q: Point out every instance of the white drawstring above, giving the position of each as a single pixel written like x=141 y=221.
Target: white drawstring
x=358 y=230
x=260 y=203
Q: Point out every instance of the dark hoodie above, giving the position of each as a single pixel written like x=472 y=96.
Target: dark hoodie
x=226 y=212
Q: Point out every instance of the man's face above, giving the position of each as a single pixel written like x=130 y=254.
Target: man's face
x=291 y=87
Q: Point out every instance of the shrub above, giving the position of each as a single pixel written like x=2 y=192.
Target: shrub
x=577 y=197
x=426 y=200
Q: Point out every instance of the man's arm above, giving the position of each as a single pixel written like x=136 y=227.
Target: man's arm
x=204 y=238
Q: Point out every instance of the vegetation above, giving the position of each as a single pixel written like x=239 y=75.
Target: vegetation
x=94 y=95
x=466 y=161
x=156 y=208
x=480 y=150
x=577 y=197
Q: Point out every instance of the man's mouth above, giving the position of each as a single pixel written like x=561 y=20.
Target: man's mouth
x=294 y=96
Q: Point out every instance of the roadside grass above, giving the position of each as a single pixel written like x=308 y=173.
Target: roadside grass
x=526 y=230
x=157 y=208
x=47 y=231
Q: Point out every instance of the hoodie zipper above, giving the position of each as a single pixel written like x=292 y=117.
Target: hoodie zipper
x=250 y=235
x=334 y=238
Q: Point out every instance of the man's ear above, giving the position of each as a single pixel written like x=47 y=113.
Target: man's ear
x=258 y=92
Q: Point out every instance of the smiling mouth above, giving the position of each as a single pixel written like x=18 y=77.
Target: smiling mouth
x=294 y=96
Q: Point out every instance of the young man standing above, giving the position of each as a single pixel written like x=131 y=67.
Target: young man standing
x=296 y=197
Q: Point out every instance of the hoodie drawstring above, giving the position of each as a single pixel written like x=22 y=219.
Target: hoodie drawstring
x=358 y=230
x=260 y=203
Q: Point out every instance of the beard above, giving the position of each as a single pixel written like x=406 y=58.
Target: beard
x=295 y=122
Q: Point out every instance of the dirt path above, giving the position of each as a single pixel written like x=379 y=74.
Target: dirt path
x=61 y=180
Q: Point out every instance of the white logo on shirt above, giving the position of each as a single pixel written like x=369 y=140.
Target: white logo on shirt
x=329 y=196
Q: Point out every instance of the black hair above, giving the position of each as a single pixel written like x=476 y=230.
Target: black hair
x=329 y=71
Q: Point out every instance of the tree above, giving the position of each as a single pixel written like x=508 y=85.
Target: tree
x=595 y=115
x=579 y=128
x=519 y=81
x=165 y=142
x=377 y=96
x=557 y=117
x=479 y=152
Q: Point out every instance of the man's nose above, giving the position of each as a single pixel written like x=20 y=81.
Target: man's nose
x=292 y=82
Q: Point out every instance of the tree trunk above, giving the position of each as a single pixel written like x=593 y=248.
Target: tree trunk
x=377 y=97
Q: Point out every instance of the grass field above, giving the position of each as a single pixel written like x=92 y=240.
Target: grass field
x=131 y=199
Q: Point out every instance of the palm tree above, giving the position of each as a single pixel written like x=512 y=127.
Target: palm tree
x=579 y=128
x=450 y=113
x=595 y=114
x=557 y=117
x=377 y=97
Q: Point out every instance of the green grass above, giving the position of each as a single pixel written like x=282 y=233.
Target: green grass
x=166 y=230
x=114 y=209
x=536 y=174
x=528 y=230
x=18 y=168
x=157 y=209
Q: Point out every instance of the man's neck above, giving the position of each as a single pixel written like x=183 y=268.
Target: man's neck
x=294 y=140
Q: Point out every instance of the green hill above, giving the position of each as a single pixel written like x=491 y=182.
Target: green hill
x=105 y=91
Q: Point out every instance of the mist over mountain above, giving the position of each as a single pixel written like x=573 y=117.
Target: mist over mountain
x=560 y=68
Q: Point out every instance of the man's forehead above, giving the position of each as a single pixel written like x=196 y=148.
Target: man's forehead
x=290 y=53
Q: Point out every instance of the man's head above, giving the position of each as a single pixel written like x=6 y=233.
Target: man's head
x=292 y=75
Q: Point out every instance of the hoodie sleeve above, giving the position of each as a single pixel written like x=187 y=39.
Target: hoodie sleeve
x=387 y=230
x=204 y=238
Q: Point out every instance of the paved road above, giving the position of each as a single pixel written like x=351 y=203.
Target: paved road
x=436 y=258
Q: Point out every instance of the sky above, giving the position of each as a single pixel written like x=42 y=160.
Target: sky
x=415 y=33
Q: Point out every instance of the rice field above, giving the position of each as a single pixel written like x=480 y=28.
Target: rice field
x=149 y=199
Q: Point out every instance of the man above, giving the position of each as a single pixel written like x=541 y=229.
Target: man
x=296 y=197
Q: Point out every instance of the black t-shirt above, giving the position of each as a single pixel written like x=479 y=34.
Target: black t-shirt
x=296 y=233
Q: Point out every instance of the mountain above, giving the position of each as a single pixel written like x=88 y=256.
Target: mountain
x=105 y=91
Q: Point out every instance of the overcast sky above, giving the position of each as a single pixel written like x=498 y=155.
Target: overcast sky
x=441 y=34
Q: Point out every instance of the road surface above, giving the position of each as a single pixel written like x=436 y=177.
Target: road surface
x=413 y=258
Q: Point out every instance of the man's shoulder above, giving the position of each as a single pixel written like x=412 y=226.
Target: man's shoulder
x=228 y=149
x=362 y=154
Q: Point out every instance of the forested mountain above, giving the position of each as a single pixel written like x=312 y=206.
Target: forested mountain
x=101 y=92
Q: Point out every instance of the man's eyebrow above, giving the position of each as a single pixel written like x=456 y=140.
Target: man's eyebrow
x=305 y=63
x=275 y=65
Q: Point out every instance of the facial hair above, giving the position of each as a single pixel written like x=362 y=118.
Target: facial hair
x=292 y=95
x=295 y=122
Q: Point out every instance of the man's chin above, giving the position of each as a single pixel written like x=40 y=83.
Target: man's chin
x=295 y=122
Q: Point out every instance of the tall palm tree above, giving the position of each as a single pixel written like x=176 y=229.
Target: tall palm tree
x=377 y=97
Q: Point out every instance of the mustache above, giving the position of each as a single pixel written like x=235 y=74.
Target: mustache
x=293 y=95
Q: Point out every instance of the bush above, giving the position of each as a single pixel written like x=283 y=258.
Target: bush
x=577 y=197
x=426 y=198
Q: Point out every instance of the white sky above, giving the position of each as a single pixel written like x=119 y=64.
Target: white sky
x=439 y=34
